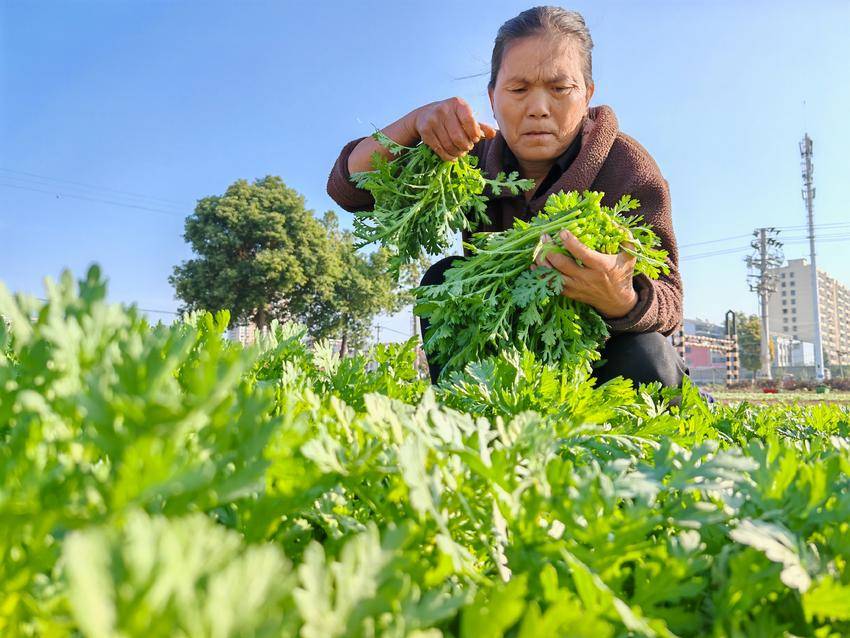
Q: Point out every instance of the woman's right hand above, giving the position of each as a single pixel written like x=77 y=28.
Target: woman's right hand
x=449 y=127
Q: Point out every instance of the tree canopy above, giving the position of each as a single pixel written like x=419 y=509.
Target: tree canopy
x=255 y=244
x=260 y=253
x=361 y=289
x=749 y=341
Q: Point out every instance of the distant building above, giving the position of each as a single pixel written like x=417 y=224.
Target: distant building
x=244 y=334
x=791 y=309
x=705 y=365
x=792 y=353
x=704 y=328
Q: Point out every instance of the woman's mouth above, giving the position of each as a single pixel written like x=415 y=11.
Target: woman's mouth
x=536 y=135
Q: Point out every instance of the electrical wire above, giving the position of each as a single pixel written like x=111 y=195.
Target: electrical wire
x=59 y=195
x=714 y=241
x=25 y=176
x=383 y=327
x=716 y=253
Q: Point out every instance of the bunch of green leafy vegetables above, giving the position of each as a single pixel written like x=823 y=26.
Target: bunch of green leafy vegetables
x=420 y=199
x=494 y=300
x=160 y=481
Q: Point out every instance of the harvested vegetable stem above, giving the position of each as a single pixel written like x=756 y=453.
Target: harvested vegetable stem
x=514 y=307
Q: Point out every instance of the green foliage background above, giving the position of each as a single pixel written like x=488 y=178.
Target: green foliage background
x=260 y=255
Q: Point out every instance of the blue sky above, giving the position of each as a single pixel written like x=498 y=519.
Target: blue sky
x=157 y=104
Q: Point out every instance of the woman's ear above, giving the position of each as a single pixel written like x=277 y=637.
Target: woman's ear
x=589 y=93
x=492 y=106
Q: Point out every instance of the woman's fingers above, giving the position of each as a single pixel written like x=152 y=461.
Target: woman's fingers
x=568 y=287
x=461 y=143
x=489 y=131
x=450 y=129
x=441 y=142
x=560 y=262
x=577 y=249
x=557 y=260
x=564 y=264
x=540 y=260
x=467 y=122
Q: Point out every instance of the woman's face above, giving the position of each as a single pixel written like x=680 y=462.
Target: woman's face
x=540 y=97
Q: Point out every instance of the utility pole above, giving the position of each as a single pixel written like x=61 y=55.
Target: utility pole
x=377 y=333
x=767 y=255
x=808 y=199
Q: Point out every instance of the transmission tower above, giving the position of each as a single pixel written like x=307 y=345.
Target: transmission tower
x=808 y=200
x=767 y=254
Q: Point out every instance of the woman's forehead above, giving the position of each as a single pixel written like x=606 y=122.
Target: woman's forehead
x=541 y=59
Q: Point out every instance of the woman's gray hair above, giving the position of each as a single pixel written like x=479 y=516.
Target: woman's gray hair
x=554 y=21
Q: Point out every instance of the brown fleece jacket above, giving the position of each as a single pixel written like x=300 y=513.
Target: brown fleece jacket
x=609 y=161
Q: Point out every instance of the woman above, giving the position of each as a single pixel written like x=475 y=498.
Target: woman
x=540 y=88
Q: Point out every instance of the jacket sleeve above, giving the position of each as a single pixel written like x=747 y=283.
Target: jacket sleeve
x=340 y=187
x=659 y=305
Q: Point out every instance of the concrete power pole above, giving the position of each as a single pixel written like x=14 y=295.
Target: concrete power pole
x=767 y=255
x=808 y=199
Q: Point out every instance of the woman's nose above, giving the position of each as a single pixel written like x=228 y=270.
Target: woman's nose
x=538 y=106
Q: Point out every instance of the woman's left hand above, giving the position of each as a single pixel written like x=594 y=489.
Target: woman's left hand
x=602 y=281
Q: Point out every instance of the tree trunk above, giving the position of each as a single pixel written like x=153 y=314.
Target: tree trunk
x=261 y=319
x=343 y=344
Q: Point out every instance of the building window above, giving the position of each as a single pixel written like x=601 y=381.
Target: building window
x=785 y=311
x=793 y=293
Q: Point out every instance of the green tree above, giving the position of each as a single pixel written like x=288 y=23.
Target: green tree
x=255 y=245
x=361 y=289
x=749 y=341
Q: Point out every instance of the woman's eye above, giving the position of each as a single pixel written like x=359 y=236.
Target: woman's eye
x=564 y=89
x=516 y=90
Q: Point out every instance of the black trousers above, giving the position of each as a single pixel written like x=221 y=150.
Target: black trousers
x=641 y=357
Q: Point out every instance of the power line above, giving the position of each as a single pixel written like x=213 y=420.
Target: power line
x=830 y=225
x=829 y=239
x=716 y=253
x=161 y=312
x=834 y=237
x=89 y=186
x=713 y=241
x=95 y=199
x=835 y=226
x=383 y=327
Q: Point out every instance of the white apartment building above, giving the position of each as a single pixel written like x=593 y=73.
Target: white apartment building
x=243 y=333
x=792 y=315
x=789 y=352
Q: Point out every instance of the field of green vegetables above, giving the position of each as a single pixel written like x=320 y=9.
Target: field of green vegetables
x=162 y=481
x=782 y=397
